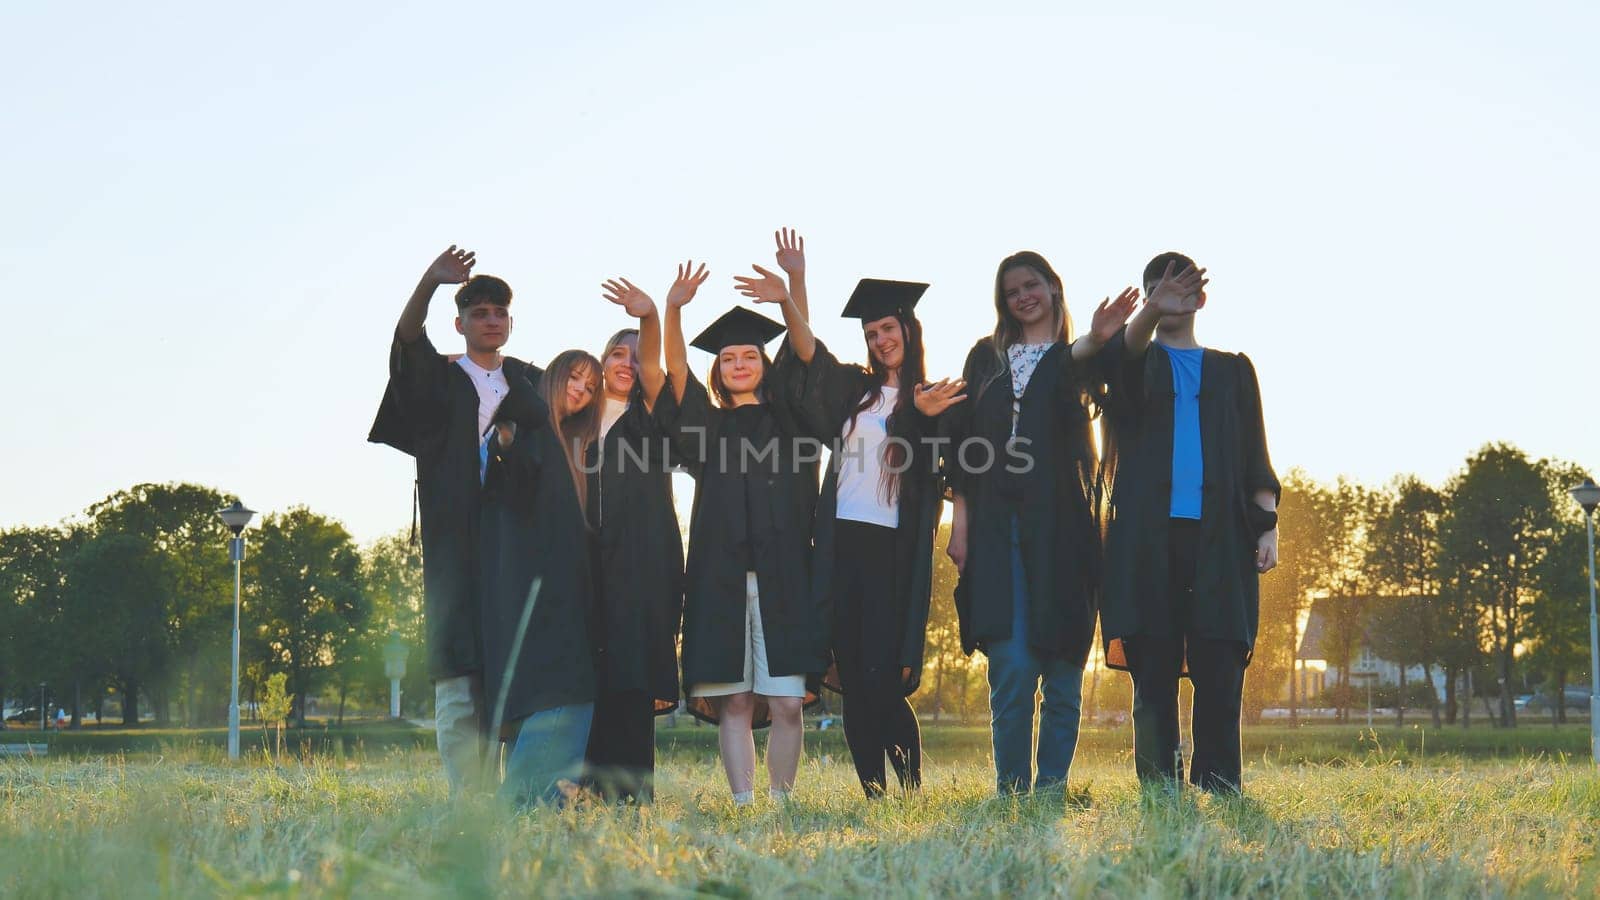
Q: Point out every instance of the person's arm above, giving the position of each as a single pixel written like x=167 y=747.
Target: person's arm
x=677 y=352
x=769 y=288
x=451 y=267
x=1108 y=318
x=638 y=304
x=1260 y=478
x=957 y=548
x=792 y=260
x=1175 y=294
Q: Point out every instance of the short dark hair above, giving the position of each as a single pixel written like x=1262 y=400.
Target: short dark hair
x=1158 y=267
x=483 y=289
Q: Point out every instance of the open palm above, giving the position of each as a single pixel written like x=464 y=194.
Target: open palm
x=1178 y=293
x=1111 y=314
x=453 y=266
x=791 y=251
x=622 y=292
x=933 y=399
x=769 y=288
x=688 y=282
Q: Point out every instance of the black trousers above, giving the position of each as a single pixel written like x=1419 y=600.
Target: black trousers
x=878 y=719
x=620 y=763
x=1156 y=658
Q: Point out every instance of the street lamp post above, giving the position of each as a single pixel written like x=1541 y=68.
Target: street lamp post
x=394 y=666
x=236 y=517
x=1588 y=496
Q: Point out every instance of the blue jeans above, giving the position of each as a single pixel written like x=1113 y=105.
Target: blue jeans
x=549 y=748
x=1016 y=673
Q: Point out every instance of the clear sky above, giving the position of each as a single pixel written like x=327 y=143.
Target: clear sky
x=210 y=216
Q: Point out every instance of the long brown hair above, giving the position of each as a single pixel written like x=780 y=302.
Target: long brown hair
x=1007 y=330
x=913 y=371
x=574 y=431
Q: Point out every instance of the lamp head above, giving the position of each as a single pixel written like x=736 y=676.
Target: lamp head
x=1587 y=495
x=236 y=517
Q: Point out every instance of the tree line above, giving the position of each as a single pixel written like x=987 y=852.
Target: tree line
x=1483 y=576
x=134 y=601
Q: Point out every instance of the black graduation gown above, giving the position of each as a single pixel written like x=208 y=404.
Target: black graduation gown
x=430 y=411
x=1053 y=499
x=638 y=557
x=1233 y=444
x=830 y=393
x=535 y=549
x=767 y=509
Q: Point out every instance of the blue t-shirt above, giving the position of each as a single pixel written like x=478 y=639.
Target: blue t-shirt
x=1188 y=463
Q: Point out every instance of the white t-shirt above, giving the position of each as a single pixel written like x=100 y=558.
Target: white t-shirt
x=610 y=412
x=492 y=387
x=860 y=463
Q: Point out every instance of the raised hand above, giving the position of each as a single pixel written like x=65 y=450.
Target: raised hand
x=623 y=293
x=452 y=267
x=791 y=251
x=769 y=288
x=1111 y=314
x=933 y=399
x=688 y=281
x=1178 y=293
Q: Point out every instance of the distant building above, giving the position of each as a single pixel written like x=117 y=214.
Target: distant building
x=1317 y=672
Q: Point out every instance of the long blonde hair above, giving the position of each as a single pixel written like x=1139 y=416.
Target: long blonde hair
x=1007 y=330
x=574 y=431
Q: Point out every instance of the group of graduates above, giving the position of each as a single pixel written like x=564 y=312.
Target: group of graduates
x=554 y=574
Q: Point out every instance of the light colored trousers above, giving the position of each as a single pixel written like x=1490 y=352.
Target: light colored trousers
x=457 y=723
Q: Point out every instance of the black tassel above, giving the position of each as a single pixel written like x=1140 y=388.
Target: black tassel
x=414 y=501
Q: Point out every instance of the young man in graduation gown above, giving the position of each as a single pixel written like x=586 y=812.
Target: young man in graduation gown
x=439 y=412
x=1193 y=524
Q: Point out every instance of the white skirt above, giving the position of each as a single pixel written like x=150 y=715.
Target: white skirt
x=757 y=678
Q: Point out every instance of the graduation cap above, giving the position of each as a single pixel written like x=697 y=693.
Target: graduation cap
x=878 y=298
x=735 y=327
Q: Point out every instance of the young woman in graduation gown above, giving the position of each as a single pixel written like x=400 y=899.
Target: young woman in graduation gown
x=1022 y=469
x=536 y=581
x=872 y=537
x=752 y=632
x=638 y=557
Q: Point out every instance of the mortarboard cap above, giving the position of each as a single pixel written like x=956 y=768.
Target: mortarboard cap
x=877 y=298
x=737 y=326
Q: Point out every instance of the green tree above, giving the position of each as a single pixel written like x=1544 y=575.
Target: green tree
x=391 y=575
x=180 y=520
x=275 y=706
x=35 y=645
x=1402 y=561
x=1497 y=527
x=1558 y=617
x=1286 y=592
x=116 y=592
x=306 y=586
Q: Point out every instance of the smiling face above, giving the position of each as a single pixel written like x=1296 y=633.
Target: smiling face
x=618 y=365
x=885 y=341
x=1029 y=297
x=486 y=326
x=740 y=368
x=582 y=384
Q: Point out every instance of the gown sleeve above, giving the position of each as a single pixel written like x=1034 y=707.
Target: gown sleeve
x=415 y=397
x=686 y=422
x=1258 y=472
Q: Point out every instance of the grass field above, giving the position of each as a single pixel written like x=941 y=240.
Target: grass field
x=1328 y=812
